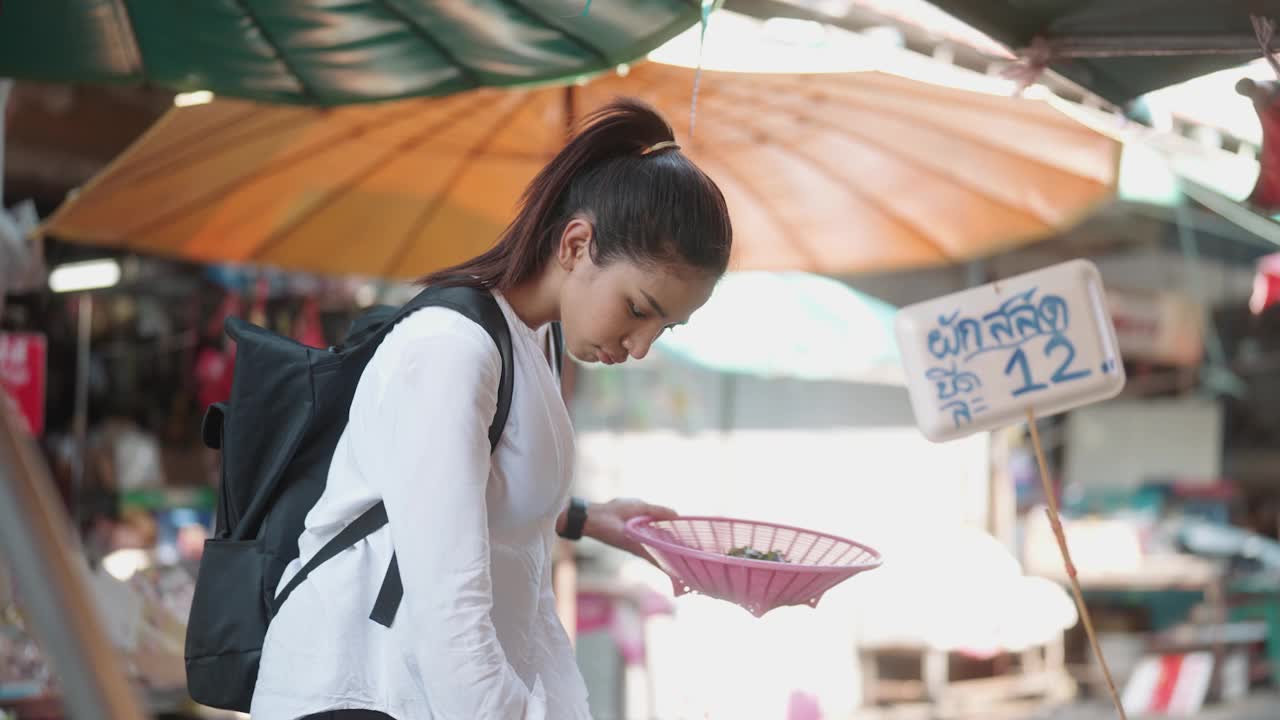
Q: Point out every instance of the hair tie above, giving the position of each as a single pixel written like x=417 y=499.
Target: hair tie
x=660 y=146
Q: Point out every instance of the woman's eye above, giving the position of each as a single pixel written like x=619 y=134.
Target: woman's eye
x=635 y=311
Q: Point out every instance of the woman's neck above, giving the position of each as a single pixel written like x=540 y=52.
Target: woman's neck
x=537 y=300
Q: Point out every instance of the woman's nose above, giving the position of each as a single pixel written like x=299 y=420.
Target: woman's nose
x=637 y=348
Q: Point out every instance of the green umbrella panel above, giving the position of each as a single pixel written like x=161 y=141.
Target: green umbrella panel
x=1122 y=49
x=318 y=52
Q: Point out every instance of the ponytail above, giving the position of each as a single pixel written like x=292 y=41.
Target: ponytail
x=623 y=170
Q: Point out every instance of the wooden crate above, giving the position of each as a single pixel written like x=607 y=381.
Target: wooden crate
x=907 y=681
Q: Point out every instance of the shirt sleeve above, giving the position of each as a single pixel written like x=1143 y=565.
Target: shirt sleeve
x=432 y=423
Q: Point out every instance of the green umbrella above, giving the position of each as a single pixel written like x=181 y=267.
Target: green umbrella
x=320 y=52
x=1122 y=49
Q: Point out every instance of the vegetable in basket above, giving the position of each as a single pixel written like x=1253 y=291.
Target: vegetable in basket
x=751 y=553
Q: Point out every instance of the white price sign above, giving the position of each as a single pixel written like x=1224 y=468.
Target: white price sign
x=981 y=358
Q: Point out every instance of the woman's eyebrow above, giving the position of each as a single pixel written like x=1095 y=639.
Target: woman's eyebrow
x=656 y=307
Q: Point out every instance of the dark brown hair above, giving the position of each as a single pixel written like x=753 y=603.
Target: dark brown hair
x=650 y=208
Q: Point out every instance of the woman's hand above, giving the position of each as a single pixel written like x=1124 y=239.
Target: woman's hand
x=605 y=522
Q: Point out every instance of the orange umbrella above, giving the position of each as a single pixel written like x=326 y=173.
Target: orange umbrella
x=830 y=173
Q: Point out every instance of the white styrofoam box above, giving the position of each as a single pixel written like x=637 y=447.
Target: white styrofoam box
x=980 y=358
x=1112 y=445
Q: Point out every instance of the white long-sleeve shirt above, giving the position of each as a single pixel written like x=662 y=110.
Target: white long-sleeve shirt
x=476 y=636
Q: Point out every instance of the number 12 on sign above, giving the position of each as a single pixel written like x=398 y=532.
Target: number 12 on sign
x=1018 y=364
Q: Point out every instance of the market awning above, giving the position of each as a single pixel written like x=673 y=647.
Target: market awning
x=314 y=52
x=1122 y=49
x=828 y=173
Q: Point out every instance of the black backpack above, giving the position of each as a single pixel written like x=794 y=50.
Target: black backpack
x=289 y=405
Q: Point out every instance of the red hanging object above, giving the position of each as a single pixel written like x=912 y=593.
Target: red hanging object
x=1266 y=284
x=307 y=328
x=1266 y=102
x=215 y=364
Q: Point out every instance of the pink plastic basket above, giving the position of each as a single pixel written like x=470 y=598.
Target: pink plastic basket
x=693 y=551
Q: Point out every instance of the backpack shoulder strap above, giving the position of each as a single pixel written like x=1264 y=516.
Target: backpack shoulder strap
x=480 y=307
x=555 y=349
x=363 y=526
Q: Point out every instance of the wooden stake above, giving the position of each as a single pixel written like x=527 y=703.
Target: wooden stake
x=1056 y=523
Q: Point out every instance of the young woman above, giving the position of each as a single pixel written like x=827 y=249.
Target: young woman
x=619 y=238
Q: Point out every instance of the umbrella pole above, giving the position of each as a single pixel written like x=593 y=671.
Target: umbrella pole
x=1056 y=523
x=570 y=109
x=80 y=418
x=728 y=402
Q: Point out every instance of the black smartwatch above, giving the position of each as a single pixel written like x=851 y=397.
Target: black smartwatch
x=575 y=519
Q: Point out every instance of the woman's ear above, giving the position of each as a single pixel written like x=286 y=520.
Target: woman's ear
x=575 y=243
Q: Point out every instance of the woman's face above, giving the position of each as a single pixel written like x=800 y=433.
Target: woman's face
x=616 y=311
